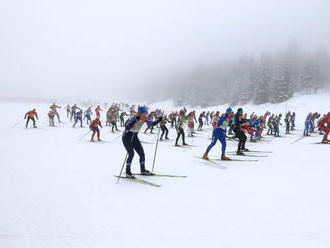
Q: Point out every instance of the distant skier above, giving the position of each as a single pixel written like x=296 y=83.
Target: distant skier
x=200 y=121
x=122 y=120
x=277 y=123
x=78 y=117
x=30 y=116
x=51 y=116
x=164 y=128
x=219 y=133
x=287 y=123
x=292 y=121
x=307 y=124
x=97 y=111
x=54 y=108
x=179 y=127
x=94 y=126
x=239 y=133
x=131 y=141
x=325 y=120
x=87 y=114
x=68 y=111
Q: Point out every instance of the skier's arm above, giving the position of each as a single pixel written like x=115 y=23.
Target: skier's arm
x=25 y=115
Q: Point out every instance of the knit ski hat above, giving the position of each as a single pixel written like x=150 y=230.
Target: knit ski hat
x=229 y=110
x=142 y=109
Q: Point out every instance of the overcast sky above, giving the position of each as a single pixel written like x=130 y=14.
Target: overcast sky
x=105 y=49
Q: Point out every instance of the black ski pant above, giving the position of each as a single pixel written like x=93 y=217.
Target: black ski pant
x=131 y=143
x=200 y=124
x=114 y=125
x=180 y=132
x=242 y=138
x=28 y=120
x=164 y=131
x=122 y=121
x=149 y=127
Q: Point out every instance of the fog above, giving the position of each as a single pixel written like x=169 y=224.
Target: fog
x=111 y=50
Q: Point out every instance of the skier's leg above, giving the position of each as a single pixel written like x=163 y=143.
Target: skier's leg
x=129 y=148
x=166 y=132
x=139 y=149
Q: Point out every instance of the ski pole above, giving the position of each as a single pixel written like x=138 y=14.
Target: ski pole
x=84 y=135
x=17 y=123
x=153 y=163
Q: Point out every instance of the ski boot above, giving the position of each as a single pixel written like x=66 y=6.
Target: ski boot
x=144 y=171
x=325 y=141
x=224 y=157
x=205 y=156
x=98 y=139
x=239 y=153
x=129 y=173
x=245 y=149
x=185 y=144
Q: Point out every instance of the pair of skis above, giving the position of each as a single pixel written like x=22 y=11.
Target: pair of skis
x=139 y=180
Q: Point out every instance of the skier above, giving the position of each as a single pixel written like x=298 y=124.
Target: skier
x=207 y=117
x=287 y=123
x=122 y=120
x=179 y=127
x=325 y=120
x=307 y=124
x=113 y=120
x=164 y=128
x=68 y=111
x=94 y=126
x=87 y=115
x=51 y=116
x=200 y=121
x=30 y=116
x=277 y=123
x=78 y=117
x=97 y=111
x=149 y=126
x=219 y=133
x=54 y=108
x=292 y=121
x=239 y=133
x=270 y=125
x=131 y=141
x=74 y=108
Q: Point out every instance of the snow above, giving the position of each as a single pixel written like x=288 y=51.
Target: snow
x=57 y=191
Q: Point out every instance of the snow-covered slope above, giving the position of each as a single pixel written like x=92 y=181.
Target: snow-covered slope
x=59 y=191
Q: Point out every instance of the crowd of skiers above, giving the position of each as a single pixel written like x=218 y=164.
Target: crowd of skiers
x=229 y=125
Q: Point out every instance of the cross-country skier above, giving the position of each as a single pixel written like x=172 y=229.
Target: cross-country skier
x=325 y=120
x=74 y=109
x=270 y=125
x=200 y=121
x=292 y=121
x=97 y=111
x=219 y=133
x=87 y=114
x=68 y=111
x=179 y=127
x=131 y=141
x=30 y=116
x=164 y=128
x=54 y=108
x=307 y=124
x=239 y=133
x=78 y=117
x=51 y=116
x=287 y=123
x=94 y=126
x=122 y=120
x=277 y=123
